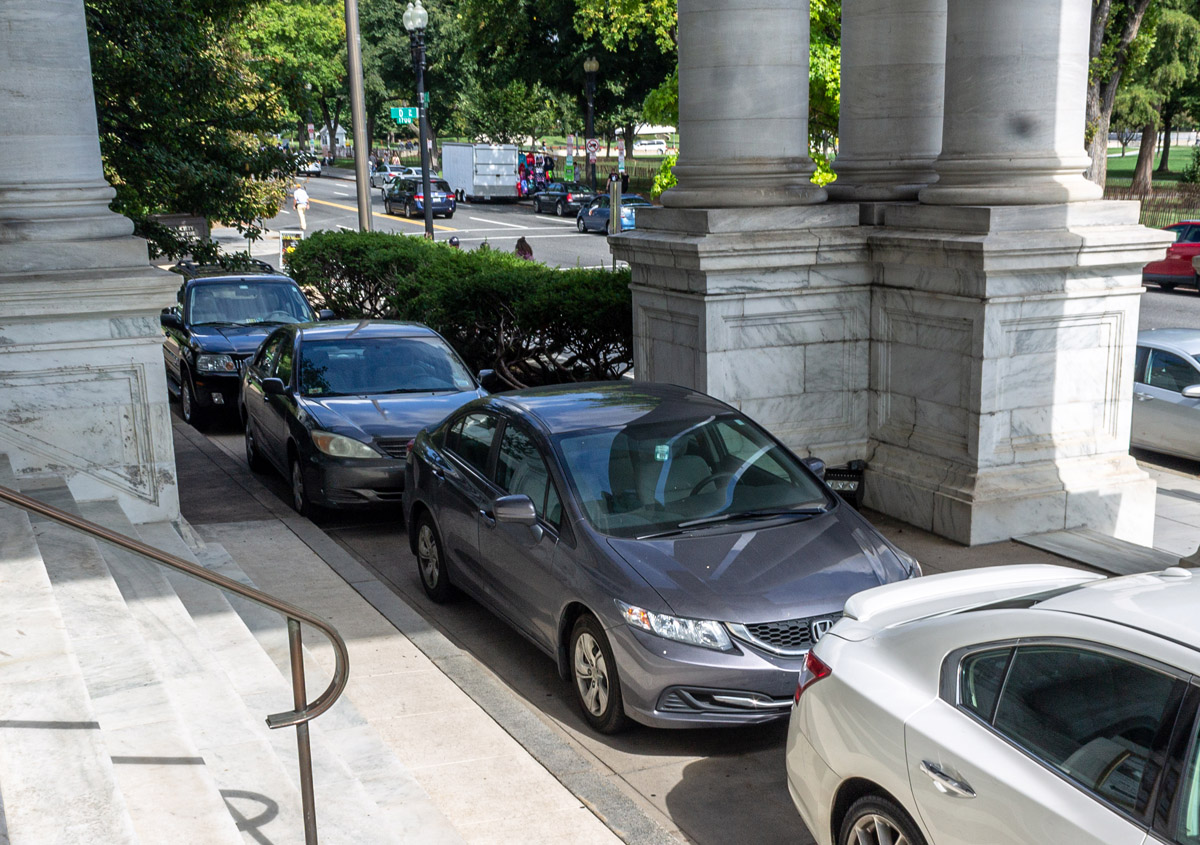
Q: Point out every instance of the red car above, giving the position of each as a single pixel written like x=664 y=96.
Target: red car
x=1176 y=268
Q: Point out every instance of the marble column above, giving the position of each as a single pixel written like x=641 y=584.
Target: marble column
x=743 y=105
x=893 y=74
x=82 y=387
x=1016 y=79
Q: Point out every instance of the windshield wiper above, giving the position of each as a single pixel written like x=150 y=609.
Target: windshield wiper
x=685 y=527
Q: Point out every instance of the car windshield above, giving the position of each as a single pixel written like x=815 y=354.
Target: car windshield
x=660 y=477
x=377 y=365
x=247 y=303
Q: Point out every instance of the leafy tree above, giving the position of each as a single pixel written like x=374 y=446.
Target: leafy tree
x=185 y=125
x=506 y=115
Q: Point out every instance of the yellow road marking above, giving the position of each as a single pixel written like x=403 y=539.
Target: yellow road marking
x=382 y=216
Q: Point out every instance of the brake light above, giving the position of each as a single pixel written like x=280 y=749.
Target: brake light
x=570 y=198
x=814 y=670
x=419 y=197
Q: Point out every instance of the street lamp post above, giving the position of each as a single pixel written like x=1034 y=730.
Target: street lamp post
x=415 y=18
x=590 y=66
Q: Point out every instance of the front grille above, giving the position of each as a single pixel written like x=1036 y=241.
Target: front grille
x=396 y=447
x=788 y=636
x=701 y=700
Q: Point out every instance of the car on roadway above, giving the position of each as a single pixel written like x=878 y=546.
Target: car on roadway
x=1006 y=705
x=650 y=145
x=384 y=173
x=1175 y=269
x=594 y=217
x=1166 y=392
x=673 y=558
x=308 y=165
x=408 y=195
x=333 y=406
x=562 y=198
x=217 y=323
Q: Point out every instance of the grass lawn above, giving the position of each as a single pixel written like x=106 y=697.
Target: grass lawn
x=1121 y=167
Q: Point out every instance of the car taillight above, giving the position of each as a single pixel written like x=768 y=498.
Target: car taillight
x=814 y=670
x=570 y=198
x=419 y=197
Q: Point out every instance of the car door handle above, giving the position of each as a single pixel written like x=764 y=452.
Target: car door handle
x=1143 y=397
x=488 y=519
x=946 y=784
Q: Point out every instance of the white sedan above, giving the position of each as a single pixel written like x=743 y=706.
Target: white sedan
x=1015 y=704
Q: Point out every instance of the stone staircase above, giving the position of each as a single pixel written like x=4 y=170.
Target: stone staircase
x=133 y=701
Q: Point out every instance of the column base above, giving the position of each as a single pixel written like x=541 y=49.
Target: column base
x=1010 y=180
x=861 y=180
x=744 y=184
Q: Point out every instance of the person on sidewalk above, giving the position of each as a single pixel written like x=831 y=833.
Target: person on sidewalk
x=300 y=203
x=523 y=249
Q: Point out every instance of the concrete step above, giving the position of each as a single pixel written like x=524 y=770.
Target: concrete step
x=363 y=753
x=231 y=740
x=57 y=779
x=1100 y=551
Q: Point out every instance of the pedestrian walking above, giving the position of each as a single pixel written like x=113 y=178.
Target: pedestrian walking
x=300 y=203
x=523 y=249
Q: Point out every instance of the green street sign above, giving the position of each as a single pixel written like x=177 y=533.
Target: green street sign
x=405 y=115
x=569 y=173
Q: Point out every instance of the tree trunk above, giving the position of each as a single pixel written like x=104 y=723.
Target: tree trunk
x=1168 y=119
x=1102 y=94
x=630 y=128
x=1142 y=171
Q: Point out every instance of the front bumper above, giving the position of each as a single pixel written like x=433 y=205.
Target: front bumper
x=349 y=483
x=217 y=390
x=667 y=684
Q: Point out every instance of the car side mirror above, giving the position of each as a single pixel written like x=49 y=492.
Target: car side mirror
x=516 y=509
x=326 y=314
x=274 y=387
x=1192 y=391
x=816 y=465
x=169 y=319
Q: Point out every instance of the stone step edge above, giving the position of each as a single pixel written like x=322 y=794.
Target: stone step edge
x=1100 y=551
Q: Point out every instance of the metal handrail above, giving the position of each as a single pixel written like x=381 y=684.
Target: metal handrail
x=303 y=712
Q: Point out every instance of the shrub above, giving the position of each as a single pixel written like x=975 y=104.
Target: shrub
x=530 y=323
x=1191 y=172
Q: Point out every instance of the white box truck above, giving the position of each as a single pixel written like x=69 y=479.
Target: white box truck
x=481 y=171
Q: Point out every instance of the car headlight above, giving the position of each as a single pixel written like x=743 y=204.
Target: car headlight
x=702 y=632
x=215 y=364
x=339 y=446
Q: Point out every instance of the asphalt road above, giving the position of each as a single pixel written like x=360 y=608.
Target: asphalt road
x=555 y=241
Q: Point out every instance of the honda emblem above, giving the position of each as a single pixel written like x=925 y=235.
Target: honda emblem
x=819 y=627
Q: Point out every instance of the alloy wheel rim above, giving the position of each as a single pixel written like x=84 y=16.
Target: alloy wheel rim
x=427 y=556
x=249 y=445
x=185 y=400
x=591 y=674
x=297 y=486
x=876 y=830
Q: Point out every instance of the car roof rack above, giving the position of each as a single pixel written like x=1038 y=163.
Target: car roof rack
x=192 y=270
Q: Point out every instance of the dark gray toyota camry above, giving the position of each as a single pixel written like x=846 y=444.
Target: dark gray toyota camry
x=674 y=558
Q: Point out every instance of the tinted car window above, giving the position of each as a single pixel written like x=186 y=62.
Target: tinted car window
x=265 y=359
x=283 y=363
x=1139 y=364
x=520 y=469
x=980 y=678
x=471 y=439
x=1170 y=372
x=1185 y=828
x=359 y=366
x=1092 y=716
x=439 y=185
x=246 y=303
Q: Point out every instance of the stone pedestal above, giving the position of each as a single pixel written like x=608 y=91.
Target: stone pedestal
x=82 y=387
x=767 y=309
x=1002 y=367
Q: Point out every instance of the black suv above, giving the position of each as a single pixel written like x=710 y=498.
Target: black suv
x=219 y=322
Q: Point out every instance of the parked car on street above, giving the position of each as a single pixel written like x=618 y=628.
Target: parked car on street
x=673 y=558
x=650 y=145
x=408 y=195
x=1166 y=392
x=1006 y=705
x=384 y=173
x=309 y=165
x=563 y=198
x=1176 y=268
x=594 y=216
x=218 y=322
x=333 y=406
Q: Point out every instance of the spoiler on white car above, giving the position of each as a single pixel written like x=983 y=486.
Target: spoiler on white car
x=916 y=598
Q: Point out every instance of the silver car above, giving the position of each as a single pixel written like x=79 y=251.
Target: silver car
x=1166 y=392
x=674 y=559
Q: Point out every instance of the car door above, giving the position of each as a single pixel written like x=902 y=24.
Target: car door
x=518 y=560
x=254 y=398
x=465 y=494
x=278 y=409
x=1163 y=418
x=1052 y=741
x=1177 y=819
x=596 y=213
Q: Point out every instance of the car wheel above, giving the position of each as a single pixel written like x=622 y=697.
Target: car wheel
x=537 y=206
x=579 y=224
x=409 y=211
x=606 y=229
x=594 y=677
x=300 y=497
x=561 y=209
x=875 y=820
x=450 y=215
x=431 y=563
x=192 y=413
x=254 y=458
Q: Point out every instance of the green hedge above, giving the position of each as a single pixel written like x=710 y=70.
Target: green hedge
x=530 y=323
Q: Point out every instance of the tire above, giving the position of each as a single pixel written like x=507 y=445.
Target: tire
x=561 y=209
x=387 y=206
x=189 y=409
x=607 y=232
x=409 y=211
x=537 y=206
x=300 y=498
x=450 y=215
x=579 y=224
x=872 y=815
x=254 y=458
x=594 y=677
x=431 y=562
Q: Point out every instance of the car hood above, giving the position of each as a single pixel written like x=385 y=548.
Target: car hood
x=765 y=572
x=386 y=415
x=231 y=339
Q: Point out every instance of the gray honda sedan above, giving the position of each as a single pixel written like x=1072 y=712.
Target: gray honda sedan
x=675 y=559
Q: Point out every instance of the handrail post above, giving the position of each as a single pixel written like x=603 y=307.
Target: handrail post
x=303 y=749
